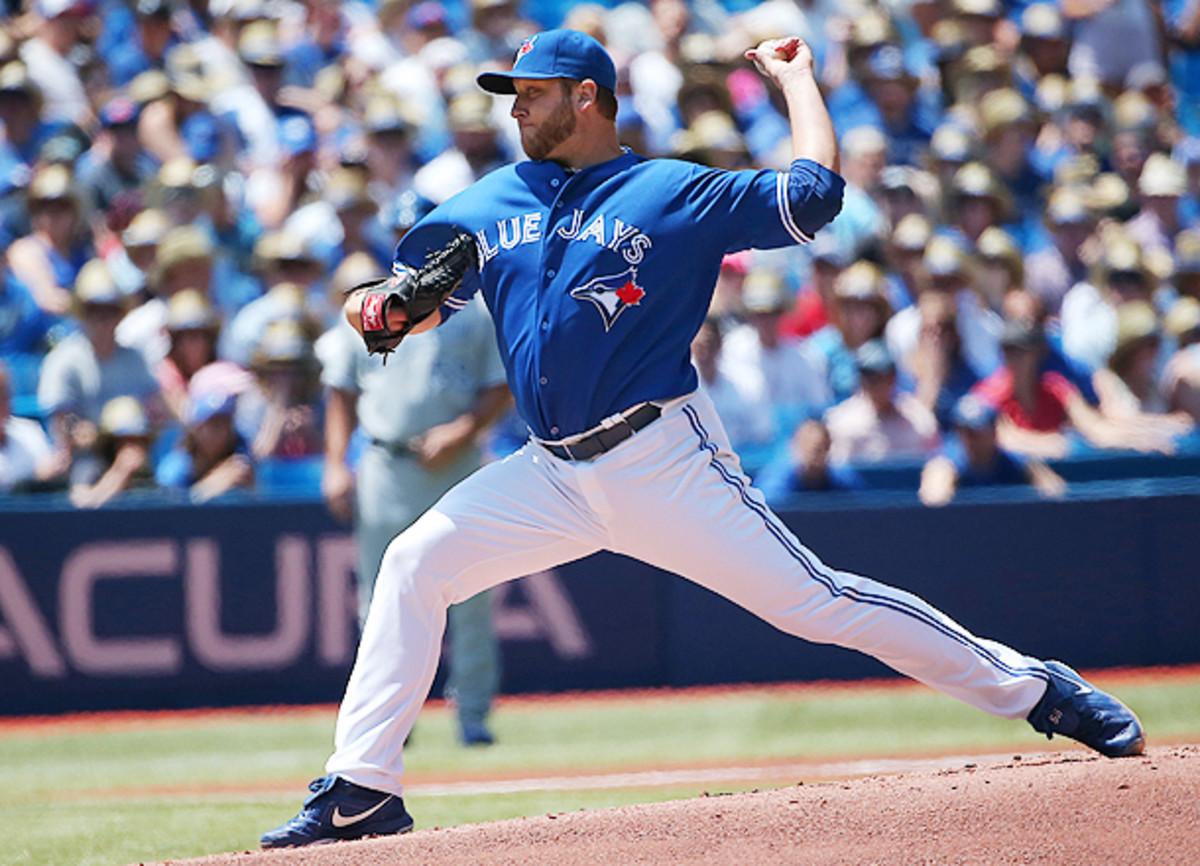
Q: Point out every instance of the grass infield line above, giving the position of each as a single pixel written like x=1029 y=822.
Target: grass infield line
x=94 y=722
x=788 y=772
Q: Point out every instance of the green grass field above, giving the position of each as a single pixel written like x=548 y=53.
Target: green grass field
x=166 y=788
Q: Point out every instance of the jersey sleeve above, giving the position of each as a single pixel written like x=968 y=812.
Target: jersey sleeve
x=814 y=196
x=765 y=209
x=428 y=236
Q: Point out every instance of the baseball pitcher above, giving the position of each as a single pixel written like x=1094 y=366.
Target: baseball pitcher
x=598 y=266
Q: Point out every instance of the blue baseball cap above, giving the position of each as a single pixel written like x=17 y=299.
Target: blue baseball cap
x=120 y=111
x=873 y=357
x=555 y=54
x=209 y=404
x=297 y=135
x=973 y=413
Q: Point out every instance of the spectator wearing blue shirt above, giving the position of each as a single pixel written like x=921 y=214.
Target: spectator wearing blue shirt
x=295 y=289
x=1001 y=266
x=145 y=45
x=805 y=468
x=23 y=326
x=23 y=337
x=1009 y=133
x=903 y=254
x=1052 y=270
x=979 y=19
x=950 y=271
x=25 y=130
x=49 y=258
x=860 y=312
x=321 y=43
x=210 y=458
x=978 y=199
x=849 y=104
x=973 y=458
x=893 y=90
x=1045 y=47
x=117 y=163
x=861 y=223
x=1182 y=20
x=905 y=191
x=940 y=372
x=951 y=147
x=1187 y=154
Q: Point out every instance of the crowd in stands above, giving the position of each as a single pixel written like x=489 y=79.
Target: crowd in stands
x=188 y=186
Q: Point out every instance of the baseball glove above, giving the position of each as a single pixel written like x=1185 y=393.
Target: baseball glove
x=418 y=293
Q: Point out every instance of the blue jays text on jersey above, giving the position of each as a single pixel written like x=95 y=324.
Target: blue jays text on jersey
x=597 y=280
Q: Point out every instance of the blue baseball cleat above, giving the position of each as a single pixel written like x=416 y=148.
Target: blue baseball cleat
x=338 y=809
x=1072 y=707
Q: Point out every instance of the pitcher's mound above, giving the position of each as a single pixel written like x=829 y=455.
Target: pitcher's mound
x=1059 y=808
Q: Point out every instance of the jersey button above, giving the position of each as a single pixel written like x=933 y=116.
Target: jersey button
x=543 y=380
x=545 y=325
x=555 y=182
x=553 y=431
x=550 y=273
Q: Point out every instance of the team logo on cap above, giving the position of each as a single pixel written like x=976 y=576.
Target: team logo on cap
x=525 y=48
x=612 y=295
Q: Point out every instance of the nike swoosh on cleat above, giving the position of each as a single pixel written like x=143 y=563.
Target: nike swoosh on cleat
x=341 y=821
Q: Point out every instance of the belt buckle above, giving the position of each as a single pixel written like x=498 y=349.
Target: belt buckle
x=620 y=426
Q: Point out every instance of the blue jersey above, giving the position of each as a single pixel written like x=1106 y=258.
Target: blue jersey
x=597 y=280
x=1006 y=467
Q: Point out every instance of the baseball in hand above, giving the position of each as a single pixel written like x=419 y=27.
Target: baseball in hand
x=781 y=49
x=788 y=48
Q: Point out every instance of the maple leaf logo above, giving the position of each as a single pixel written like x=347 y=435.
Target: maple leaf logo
x=630 y=293
x=611 y=295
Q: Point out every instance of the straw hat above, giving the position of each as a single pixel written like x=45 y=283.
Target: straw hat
x=190 y=310
x=764 y=292
x=124 y=416
x=95 y=286
x=1137 y=324
x=863 y=281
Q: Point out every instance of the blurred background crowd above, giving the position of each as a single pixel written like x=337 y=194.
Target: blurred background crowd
x=188 y=186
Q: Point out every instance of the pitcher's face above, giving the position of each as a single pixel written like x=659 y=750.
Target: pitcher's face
x=544 y=114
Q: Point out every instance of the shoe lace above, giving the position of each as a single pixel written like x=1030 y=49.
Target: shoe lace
x=319 y=787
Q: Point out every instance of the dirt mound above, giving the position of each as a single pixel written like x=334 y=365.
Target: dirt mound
x=1061 y=808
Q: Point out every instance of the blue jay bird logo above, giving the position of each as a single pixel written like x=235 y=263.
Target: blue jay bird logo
x=525 y=48
x=612 y=295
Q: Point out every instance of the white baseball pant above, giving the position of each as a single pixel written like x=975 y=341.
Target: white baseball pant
x=674 y=496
